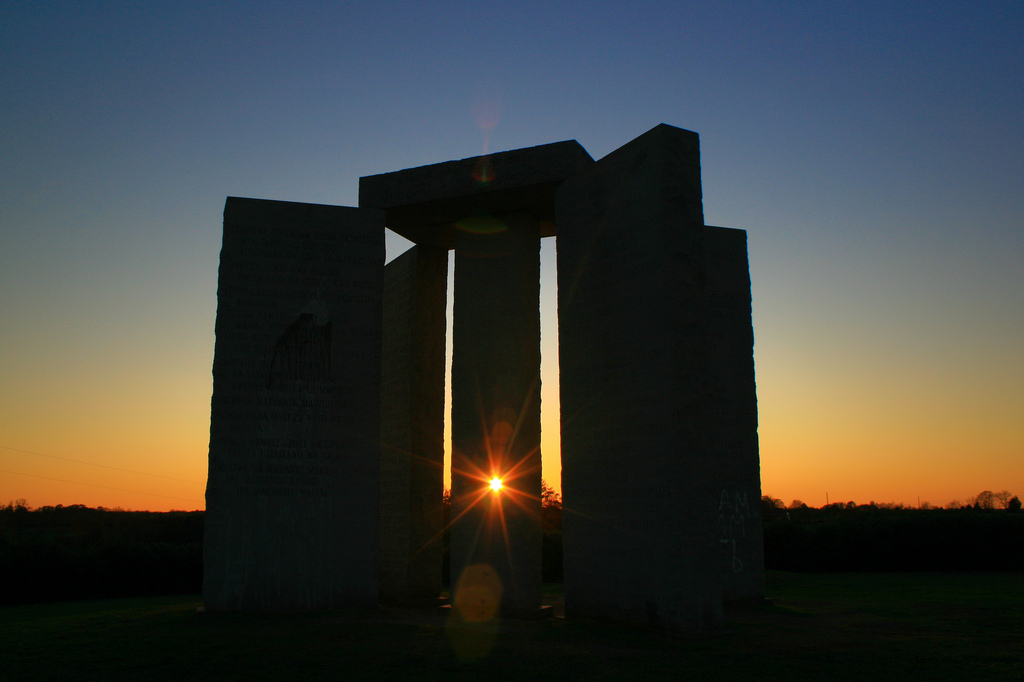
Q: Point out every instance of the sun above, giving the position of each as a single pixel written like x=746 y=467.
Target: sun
x=495 y=484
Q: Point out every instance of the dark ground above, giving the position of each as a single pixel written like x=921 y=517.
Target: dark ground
x=820 y=626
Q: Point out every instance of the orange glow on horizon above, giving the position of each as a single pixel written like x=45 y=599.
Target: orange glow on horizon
x=931 y=436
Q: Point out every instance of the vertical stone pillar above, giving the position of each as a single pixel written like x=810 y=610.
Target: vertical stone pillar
x=412 y=425
x=734 y=413
x=291 y=498
x=496 y=537
x=639 y=476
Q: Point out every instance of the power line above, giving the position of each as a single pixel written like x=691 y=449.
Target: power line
x=93 y=485
x=103 y=466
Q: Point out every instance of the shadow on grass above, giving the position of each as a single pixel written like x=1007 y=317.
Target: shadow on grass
x=835 y=626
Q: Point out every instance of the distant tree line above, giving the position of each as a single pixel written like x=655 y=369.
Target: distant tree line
x=76 y=552
x=984 y=534
x=985 y=500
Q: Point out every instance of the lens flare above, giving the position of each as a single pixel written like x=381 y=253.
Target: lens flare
x=482 y=224
x=483 y=171
x=486 y=112
x=476 y=600
x=478 y=593
x=494 y=492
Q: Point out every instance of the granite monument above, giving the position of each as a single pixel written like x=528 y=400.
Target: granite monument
x=326 y=430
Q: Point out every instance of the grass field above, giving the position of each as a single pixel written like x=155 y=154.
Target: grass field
x=919 y=626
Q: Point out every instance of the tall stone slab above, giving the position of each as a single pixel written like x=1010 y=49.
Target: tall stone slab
x=734 y=412
x=412 y=425
x=291 y=516
x=639 y=472
x=496 y=415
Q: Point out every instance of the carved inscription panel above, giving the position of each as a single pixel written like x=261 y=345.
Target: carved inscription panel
x=293 y=349
x=294 y=431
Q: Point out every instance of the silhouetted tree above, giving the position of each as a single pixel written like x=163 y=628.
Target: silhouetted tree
x=986 y=499
x=16 y=505
x=551 y=521
x=772 y=507
x=1014 y=506
x=551 y=507
x=446 y=536
x=1003 y=498
x=548 y=494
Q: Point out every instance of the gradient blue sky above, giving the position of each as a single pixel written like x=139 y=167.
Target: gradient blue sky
x=874 y=152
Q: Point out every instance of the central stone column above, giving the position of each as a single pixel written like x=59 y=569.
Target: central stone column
x=496 y=534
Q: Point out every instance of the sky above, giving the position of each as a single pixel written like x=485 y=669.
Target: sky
x=873 y=151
